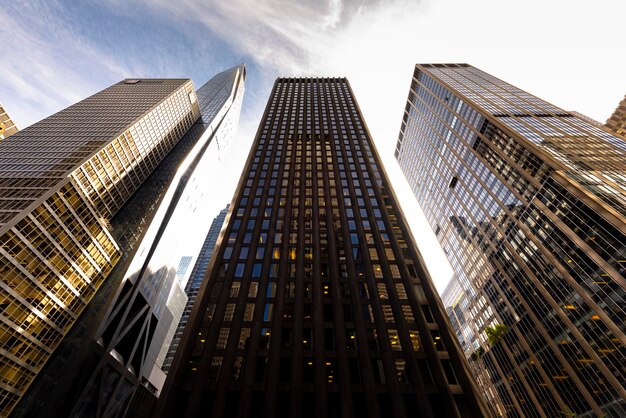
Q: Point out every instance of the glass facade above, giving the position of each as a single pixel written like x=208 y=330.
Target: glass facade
x=529 y=204
x=316 y=301
x=195 y=280
x=111 y=360
x=61 y=180
x=180 y=222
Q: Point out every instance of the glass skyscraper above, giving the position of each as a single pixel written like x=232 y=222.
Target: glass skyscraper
x=86 y=198
x=195 y=280
x=529 y=203
x=60 y=181
x=316 y=302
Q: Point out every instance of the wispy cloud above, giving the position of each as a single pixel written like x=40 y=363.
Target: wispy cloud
x=51 y=66
x=278 y=35
x=376 y=42
x=359 y=39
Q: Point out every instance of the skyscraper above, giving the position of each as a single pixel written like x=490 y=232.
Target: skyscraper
x=88 y=195
x=195 y=280
x=61 y=180
x=617 y=121
x=7 y=127
x=529 y=204
x=316 y=301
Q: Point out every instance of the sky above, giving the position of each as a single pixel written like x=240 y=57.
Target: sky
x=566 y=52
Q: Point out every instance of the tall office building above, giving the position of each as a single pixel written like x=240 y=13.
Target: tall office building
x=529 y=204
x=86 y=197
x=617 y=121
x=61 y=180
x=195 y=280
x=7 y=127
x=316 y=301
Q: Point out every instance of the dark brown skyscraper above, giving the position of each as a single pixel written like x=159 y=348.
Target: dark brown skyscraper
x=317 y=302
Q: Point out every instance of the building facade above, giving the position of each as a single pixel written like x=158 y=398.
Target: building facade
x=528 y=202
x=61 y=179
x=195 y=280
x=7 y=127
x=85 y=192
x=617 y=121
x=316 y=301
x=176 y=233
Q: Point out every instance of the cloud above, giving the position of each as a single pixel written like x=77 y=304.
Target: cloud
x=368 y=41
x=278 y=35
x=377 y=42
x=51 y=66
